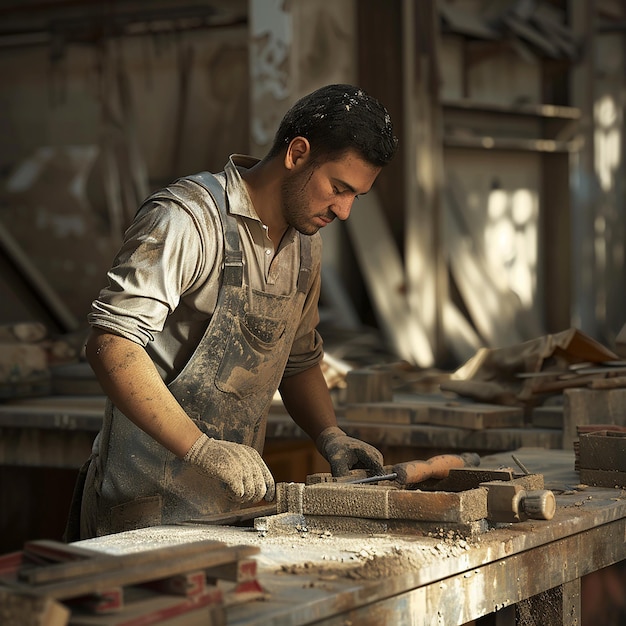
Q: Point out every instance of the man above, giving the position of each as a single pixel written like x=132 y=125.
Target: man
x=211 y=306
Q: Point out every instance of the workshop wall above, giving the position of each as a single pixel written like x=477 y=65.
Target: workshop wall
x=89 y=130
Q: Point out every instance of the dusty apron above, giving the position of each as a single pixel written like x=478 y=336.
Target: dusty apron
x=226 y=387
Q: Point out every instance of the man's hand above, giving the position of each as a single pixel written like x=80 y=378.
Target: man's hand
x=238 y=466
x=345 y=453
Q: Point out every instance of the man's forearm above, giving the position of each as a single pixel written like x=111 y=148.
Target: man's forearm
x=308 y=402
x=130 y=379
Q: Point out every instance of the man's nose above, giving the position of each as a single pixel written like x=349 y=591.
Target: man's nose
x=342 y=208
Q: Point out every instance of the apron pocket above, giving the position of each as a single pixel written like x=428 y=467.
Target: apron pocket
x=137 y=513
x=249 y=361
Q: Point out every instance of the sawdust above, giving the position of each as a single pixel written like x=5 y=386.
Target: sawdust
x=392 y=557
x=326 y=555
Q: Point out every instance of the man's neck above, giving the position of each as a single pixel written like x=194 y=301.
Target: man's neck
x=263 y=182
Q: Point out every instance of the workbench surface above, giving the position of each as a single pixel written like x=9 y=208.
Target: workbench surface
x=333 y=578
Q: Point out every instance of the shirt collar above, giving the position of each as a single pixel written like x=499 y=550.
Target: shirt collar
x=239 y=202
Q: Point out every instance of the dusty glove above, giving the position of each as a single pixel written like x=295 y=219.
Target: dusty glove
x=345 y=453
x=239 y=467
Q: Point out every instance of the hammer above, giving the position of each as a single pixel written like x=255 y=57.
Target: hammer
x=413 y=472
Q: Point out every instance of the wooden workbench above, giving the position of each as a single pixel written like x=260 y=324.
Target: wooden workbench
x=45 y=440
x=530 y=569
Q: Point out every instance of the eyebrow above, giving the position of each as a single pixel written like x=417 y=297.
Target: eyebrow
x=349 y=187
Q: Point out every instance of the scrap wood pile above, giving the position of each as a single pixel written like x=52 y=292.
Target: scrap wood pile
x=525 y=374
x=497 y=388
x=52 y=583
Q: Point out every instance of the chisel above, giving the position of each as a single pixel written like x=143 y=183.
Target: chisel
x=413 y=472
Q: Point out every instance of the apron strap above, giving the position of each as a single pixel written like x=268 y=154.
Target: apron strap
x=304 y=276
x=233 y=257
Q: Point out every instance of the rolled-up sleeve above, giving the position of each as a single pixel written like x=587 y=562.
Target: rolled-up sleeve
x=161 y=256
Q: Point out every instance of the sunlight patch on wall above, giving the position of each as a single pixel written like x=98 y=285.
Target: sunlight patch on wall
x=607 y=141
x=511 y=241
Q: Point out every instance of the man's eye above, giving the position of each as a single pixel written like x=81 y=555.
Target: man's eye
x=336 y=190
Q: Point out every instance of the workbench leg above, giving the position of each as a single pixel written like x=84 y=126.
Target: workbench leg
x=559 y=606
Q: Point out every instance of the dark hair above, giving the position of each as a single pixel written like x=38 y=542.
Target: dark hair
x=336 y=118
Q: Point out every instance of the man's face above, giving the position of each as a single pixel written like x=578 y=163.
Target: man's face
x=314 y=194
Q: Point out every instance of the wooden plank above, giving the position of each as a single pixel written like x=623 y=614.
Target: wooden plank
x=387 y=413
x=476 y=416
x=368 y=385
x=105 y=576
x=465 y=22
x=591 y=406
x=44 y=551
x=100 y=563
x=603 y=478
x=550 y=146
x=547 y=417
x=603 y=450
x=379 y=260
x=423 y=251
x=200 y=610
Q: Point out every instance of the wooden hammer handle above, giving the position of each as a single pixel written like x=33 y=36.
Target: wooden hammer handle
x=438 y=467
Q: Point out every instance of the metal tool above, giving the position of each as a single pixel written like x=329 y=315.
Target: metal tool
x=372 y=479
x=510 y=502
x=413 y=472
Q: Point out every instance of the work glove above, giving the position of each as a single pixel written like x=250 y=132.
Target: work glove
x=239 y=467
x=345 y=453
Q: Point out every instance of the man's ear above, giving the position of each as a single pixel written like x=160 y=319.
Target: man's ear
x=298 y=152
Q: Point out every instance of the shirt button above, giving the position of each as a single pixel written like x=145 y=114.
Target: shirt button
x=268 y=251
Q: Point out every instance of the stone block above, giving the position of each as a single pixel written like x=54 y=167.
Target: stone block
x=282 y=524
x=376 y=502
x=289 y=497
x=349 y=500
